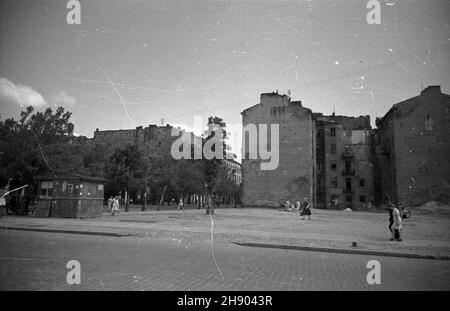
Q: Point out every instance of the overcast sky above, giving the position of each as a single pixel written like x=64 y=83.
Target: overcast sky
x=132 y=63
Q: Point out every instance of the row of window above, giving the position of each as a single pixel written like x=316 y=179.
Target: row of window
x=332 y=132
x=428 y=126
x=348 y=182
x=348 y=199
x=47 y=189
x=362 y=164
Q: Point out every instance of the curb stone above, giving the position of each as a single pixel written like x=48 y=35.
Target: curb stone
x=354 y=251
x=67 y=231
x=343 y=251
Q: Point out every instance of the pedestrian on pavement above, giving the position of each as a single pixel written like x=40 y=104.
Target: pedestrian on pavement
x=403 y=212
x=306 y=210
x=397 y=226
x=391 y=219
x=180 y=204
x=298 y=205
x=336 y=203
x=288 y=204
x=110 y=204
x=115 y=208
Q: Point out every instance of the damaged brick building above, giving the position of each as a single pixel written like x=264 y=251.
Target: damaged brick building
x=294 y=177
x=412 y=150
x=155 y=138
x=340 y=161
x=344 y=161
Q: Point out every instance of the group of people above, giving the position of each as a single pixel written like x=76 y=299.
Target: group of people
x=396 y=215
x=113 y=205
x=303 y=207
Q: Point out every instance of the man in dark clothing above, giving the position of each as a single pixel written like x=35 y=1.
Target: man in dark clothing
x=305 y=211
x=391 y=220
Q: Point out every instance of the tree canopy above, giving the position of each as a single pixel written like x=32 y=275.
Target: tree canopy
x=43 y=143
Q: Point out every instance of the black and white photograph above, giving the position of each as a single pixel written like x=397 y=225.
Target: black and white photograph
x=224 y=150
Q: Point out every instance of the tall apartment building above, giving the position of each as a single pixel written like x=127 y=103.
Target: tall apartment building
x=344 y=161
x=412 y=150
x=327 y=159
x=158 y=137
x=293 y=178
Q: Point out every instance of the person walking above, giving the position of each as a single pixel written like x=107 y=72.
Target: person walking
x=115 y=207
x=336 y=203
x=397 y=226
x=298 y=205
x=391 y=220
x=110 y=204
x=180 y=204
x=306 y=210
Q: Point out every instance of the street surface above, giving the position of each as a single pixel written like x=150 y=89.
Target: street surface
x=37 y=261
x=425 y=234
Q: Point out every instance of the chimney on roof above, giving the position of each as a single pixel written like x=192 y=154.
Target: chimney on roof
x=435 y=89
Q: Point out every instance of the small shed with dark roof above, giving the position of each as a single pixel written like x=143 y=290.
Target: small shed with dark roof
x=69 y=196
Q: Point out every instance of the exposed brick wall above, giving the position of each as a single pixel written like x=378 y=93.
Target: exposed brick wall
x=385 y=160
x=413 y=161
x=422 y=156
x=293 y=178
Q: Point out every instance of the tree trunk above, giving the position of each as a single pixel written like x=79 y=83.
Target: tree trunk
x=127 y=200
x=162 y=197
x=144 y=201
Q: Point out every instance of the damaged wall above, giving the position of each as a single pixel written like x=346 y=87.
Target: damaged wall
x=413 y=149
x=293 y=178
x=422 y=148
x=347 y=162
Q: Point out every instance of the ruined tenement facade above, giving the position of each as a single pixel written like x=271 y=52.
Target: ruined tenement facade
x=153 y=136
x=344 y=161
x=340 y=161
x=293 y=178
x=412 y=150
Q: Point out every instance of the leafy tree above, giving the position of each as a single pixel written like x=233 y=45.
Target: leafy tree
x=47 y=127
x=126 y=170
x=219 y=179
x=25 y=145
x=95 y=158
x=216 y=126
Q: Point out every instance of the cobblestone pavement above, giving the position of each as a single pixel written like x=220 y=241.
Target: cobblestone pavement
x=426 y=234
x=37 y=261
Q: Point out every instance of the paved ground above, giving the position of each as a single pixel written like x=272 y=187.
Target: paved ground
x=37 y=261
x=426 y=234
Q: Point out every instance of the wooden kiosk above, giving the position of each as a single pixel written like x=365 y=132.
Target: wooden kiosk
x=69 y=196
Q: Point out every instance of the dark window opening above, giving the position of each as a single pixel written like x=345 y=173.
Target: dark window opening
x=348 y=184
x=333 y=148
x=333 y=132
x=428 y=123
x=348 y=166
x=333 y=165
